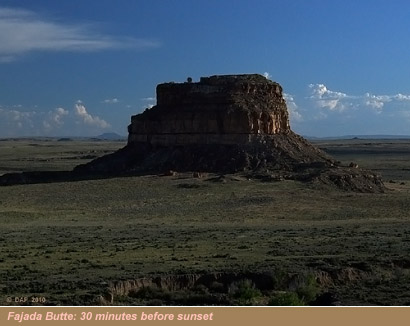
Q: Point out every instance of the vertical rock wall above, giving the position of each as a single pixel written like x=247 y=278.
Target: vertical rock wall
x=228 y=109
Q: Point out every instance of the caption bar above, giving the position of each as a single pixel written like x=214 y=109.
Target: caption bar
x=108 y=316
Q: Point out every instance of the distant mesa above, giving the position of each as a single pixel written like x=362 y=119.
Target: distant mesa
x=224 y=124
x=110 y=136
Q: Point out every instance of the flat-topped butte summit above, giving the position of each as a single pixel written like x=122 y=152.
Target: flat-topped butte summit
x=227 y=124
x=230 y=109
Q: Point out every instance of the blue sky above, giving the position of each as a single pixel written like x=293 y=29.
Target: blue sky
x=81 y=68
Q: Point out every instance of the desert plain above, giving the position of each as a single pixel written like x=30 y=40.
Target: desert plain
x=202 y=239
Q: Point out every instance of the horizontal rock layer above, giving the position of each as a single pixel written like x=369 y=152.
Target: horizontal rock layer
x=208 y=111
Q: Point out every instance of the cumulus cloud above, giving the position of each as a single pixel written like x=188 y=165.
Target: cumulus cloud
x=294 y=114
x=18 y=121
x=15 y=120
x=54 y=119
x=401 y=97
x=19 y=117
x=336 y=101
x=378 y=102
x=332 y=112
x=88 y=119
x=327 y=99
x=267 y=75
x=58 y=115
x=23 y=31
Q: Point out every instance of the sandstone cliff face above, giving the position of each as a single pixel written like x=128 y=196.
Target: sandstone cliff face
x=217 y=110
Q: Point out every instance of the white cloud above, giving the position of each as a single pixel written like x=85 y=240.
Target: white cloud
x=58 y=115
x=150 y=102
x=16 y=121
x=87 y=118
x=111 y=101
x=23 y=31
x=401 y=97
x=327 y=99
x=54 y=119
x=47 y=126
x=267 y=75
x=19 y=121
x=18 y=116
x=294 y=114
x=376 y=102
x=149 y=99
x=324 y=98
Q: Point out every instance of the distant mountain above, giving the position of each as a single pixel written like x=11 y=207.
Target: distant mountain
x=110 y=136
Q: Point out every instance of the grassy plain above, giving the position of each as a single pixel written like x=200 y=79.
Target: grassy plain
x=66 y=241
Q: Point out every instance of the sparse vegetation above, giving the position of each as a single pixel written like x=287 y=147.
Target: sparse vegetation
x=244 y=292
x=68 y=241
x=286 y=299
x=308 y=289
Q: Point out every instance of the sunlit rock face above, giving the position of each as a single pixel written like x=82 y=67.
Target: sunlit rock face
x=229 y=109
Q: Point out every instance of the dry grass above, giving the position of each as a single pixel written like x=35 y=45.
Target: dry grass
x=64 y=240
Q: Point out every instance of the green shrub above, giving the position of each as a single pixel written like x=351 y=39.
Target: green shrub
x=309 y=289
x=286 y=299
x=244 y=292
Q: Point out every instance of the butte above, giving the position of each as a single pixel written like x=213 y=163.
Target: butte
x=227 y=124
